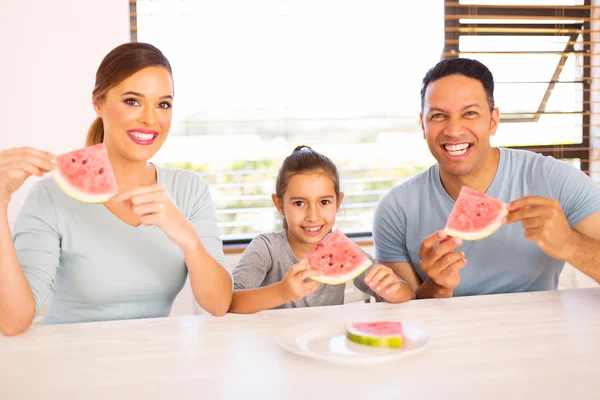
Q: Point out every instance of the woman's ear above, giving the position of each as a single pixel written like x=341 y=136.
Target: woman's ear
x=277 y=203
x=339 y=200
x=97 y=107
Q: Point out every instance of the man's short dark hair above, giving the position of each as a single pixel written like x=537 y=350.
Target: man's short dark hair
x=461 y=66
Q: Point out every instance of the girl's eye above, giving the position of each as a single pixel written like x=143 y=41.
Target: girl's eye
x=299 y=203
x=325 y=202
x=165 y=105
x=131 y=102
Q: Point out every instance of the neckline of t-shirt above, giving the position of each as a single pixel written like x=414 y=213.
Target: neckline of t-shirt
x=491 y=190
x=287 y=246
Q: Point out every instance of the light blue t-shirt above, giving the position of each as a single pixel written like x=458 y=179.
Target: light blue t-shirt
x=504 y=262
x=92 y=266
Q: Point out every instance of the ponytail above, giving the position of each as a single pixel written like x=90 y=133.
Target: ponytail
x=95 y=133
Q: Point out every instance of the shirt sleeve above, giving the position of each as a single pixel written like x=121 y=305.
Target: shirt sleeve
x=254 y=265
x=37 y=242
x=204 y=220
x=389 y=230
x=578 y=195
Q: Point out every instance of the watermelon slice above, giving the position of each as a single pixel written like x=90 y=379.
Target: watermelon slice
x=378 y=334
x=475 y=215
x=86 y=174
x=338 y=259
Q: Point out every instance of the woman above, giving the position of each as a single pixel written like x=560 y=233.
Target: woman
x=125 y=259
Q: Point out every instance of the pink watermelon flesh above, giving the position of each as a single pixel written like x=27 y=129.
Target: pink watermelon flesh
x=380 y=328
x=475 y=215
x=86 y=174
x=338 y=259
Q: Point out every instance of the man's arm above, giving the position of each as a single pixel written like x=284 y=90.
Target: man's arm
x=545 y=223
x=585 y=253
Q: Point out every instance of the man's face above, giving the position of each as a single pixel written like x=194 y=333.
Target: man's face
x=457 y=124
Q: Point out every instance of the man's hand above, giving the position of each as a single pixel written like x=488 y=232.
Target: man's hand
x=545 y=223
x=439 y=260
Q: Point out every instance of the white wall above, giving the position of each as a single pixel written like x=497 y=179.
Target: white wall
x=50 y=51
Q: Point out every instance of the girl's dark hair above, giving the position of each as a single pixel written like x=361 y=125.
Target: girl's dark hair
x=305 y=160
x=122 y=62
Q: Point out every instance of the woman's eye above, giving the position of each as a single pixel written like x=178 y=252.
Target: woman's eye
x=165 y=105
x=131 y=102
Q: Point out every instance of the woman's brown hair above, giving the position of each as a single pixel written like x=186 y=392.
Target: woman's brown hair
x=305 y=160
x=122 y=62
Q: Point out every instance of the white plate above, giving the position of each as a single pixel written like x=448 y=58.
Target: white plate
x=328 y=342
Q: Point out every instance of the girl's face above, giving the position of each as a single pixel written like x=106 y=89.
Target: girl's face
x=137 y=114
x=309 y=204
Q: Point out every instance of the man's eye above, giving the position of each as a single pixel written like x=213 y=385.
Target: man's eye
x=437 y=116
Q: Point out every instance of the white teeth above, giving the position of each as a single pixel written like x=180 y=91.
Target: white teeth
x=456 y=149
x=315 y=229
x=141 y=136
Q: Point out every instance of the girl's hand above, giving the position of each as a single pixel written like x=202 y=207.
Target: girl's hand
x=154 y=207
x=293 y=284
x=383 y=281
x=16 y=165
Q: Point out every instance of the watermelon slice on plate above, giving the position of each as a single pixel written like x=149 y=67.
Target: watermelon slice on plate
x=377 y=333
x=86 y=174
x=475 y=215
x=338 y=259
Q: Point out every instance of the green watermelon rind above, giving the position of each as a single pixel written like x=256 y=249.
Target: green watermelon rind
x=386 y=341
x=339 y=279
x=78 y=194
x=480 y=234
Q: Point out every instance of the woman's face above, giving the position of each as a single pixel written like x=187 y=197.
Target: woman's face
x=137 y=114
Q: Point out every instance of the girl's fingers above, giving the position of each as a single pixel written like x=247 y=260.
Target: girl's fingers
x=386 y=281
x=379 y=275
x=391 y=288
x=369 y=276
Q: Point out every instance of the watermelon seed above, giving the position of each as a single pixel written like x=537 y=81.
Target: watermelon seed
x=330 y=264
x=479 y=215
x=330 y=255
x=101 y=170
x=84 y=162
x=342 y=266
x=73 y=160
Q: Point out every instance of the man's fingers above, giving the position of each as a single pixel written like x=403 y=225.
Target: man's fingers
x=430 y=241
x=445 y=262
x=533 y=201
x=522 y=214
x=444 y=248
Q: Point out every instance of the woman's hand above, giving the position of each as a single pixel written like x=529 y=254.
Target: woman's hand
x=16 y=165
x=154 y=207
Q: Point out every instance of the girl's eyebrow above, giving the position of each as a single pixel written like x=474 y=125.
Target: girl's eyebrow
x=329 y=196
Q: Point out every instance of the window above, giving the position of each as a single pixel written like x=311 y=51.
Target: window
x=256 y=78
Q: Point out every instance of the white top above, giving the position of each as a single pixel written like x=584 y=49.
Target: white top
x=92 y=266
x=536 y=345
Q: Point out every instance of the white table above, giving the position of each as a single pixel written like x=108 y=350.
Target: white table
x=541 y=345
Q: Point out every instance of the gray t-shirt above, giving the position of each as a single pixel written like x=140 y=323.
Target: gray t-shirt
x=504 y=262
x=269 y=257
x=93 y=266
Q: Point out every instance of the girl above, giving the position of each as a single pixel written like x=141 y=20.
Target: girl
x=269 y=274
x=130 y=257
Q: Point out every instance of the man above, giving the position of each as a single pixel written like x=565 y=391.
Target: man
x=554 y=208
